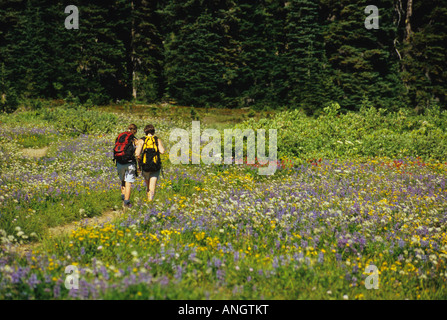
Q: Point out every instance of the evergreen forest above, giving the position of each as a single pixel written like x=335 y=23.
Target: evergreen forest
x=294 y=54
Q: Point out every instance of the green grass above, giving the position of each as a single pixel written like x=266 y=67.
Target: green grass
x=35 y=141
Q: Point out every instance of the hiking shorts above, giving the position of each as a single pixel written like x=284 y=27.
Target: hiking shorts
x=147 y=174
x=126 y=172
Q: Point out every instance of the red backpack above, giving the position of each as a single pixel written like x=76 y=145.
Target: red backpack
x=124 y=149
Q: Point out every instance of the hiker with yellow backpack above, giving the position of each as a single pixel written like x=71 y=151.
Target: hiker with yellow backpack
x=148 y=153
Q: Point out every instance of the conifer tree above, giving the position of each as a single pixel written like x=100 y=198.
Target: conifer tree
x=363 y=62
x=146 y=51
x=10 y=12
x=307 y=70
x=233 y=53
x=199 y=56
x=260 y=39
x=103 y=53
x=28 y=59
x=423 y=39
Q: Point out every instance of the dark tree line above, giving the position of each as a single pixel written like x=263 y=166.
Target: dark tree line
x=229 y=53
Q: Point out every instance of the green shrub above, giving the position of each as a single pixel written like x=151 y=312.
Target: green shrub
x=8 y=101
x=368 y=133
x=251 y=114
x=8 y=96
x=76 y=120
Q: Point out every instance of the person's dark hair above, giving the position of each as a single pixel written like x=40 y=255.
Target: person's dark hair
x=132 y=127
x=149 y=129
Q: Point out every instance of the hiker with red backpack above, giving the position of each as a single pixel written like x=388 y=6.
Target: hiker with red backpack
x=148 y=153
x=126 y=163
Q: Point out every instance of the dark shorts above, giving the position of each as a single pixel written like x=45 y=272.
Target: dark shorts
x=148 y=175
x=126 y=172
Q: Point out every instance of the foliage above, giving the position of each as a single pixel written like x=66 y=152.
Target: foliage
x=79 y=120
x=222 y=231
x=309 y=234
x=224 y=53
x=306 y=59
x=8 y=97
x=371 y=132
x=424 y=61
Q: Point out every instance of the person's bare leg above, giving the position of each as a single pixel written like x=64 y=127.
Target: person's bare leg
x=147 y=189
x=152 y=184
x=123 y=187
x=127 y=188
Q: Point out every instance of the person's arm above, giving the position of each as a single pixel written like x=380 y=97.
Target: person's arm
x=161 y=147
x=139 y=144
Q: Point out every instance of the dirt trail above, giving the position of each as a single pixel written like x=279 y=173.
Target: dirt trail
x=68 y=228
x=35 y=153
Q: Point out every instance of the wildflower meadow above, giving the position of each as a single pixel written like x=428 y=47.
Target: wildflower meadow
x=347 y=215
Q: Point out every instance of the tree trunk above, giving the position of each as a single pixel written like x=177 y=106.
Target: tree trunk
x=407 y=20
x=399 y=10
x=132 y=57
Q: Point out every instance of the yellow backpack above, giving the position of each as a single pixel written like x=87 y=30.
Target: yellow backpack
x=151 y=161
